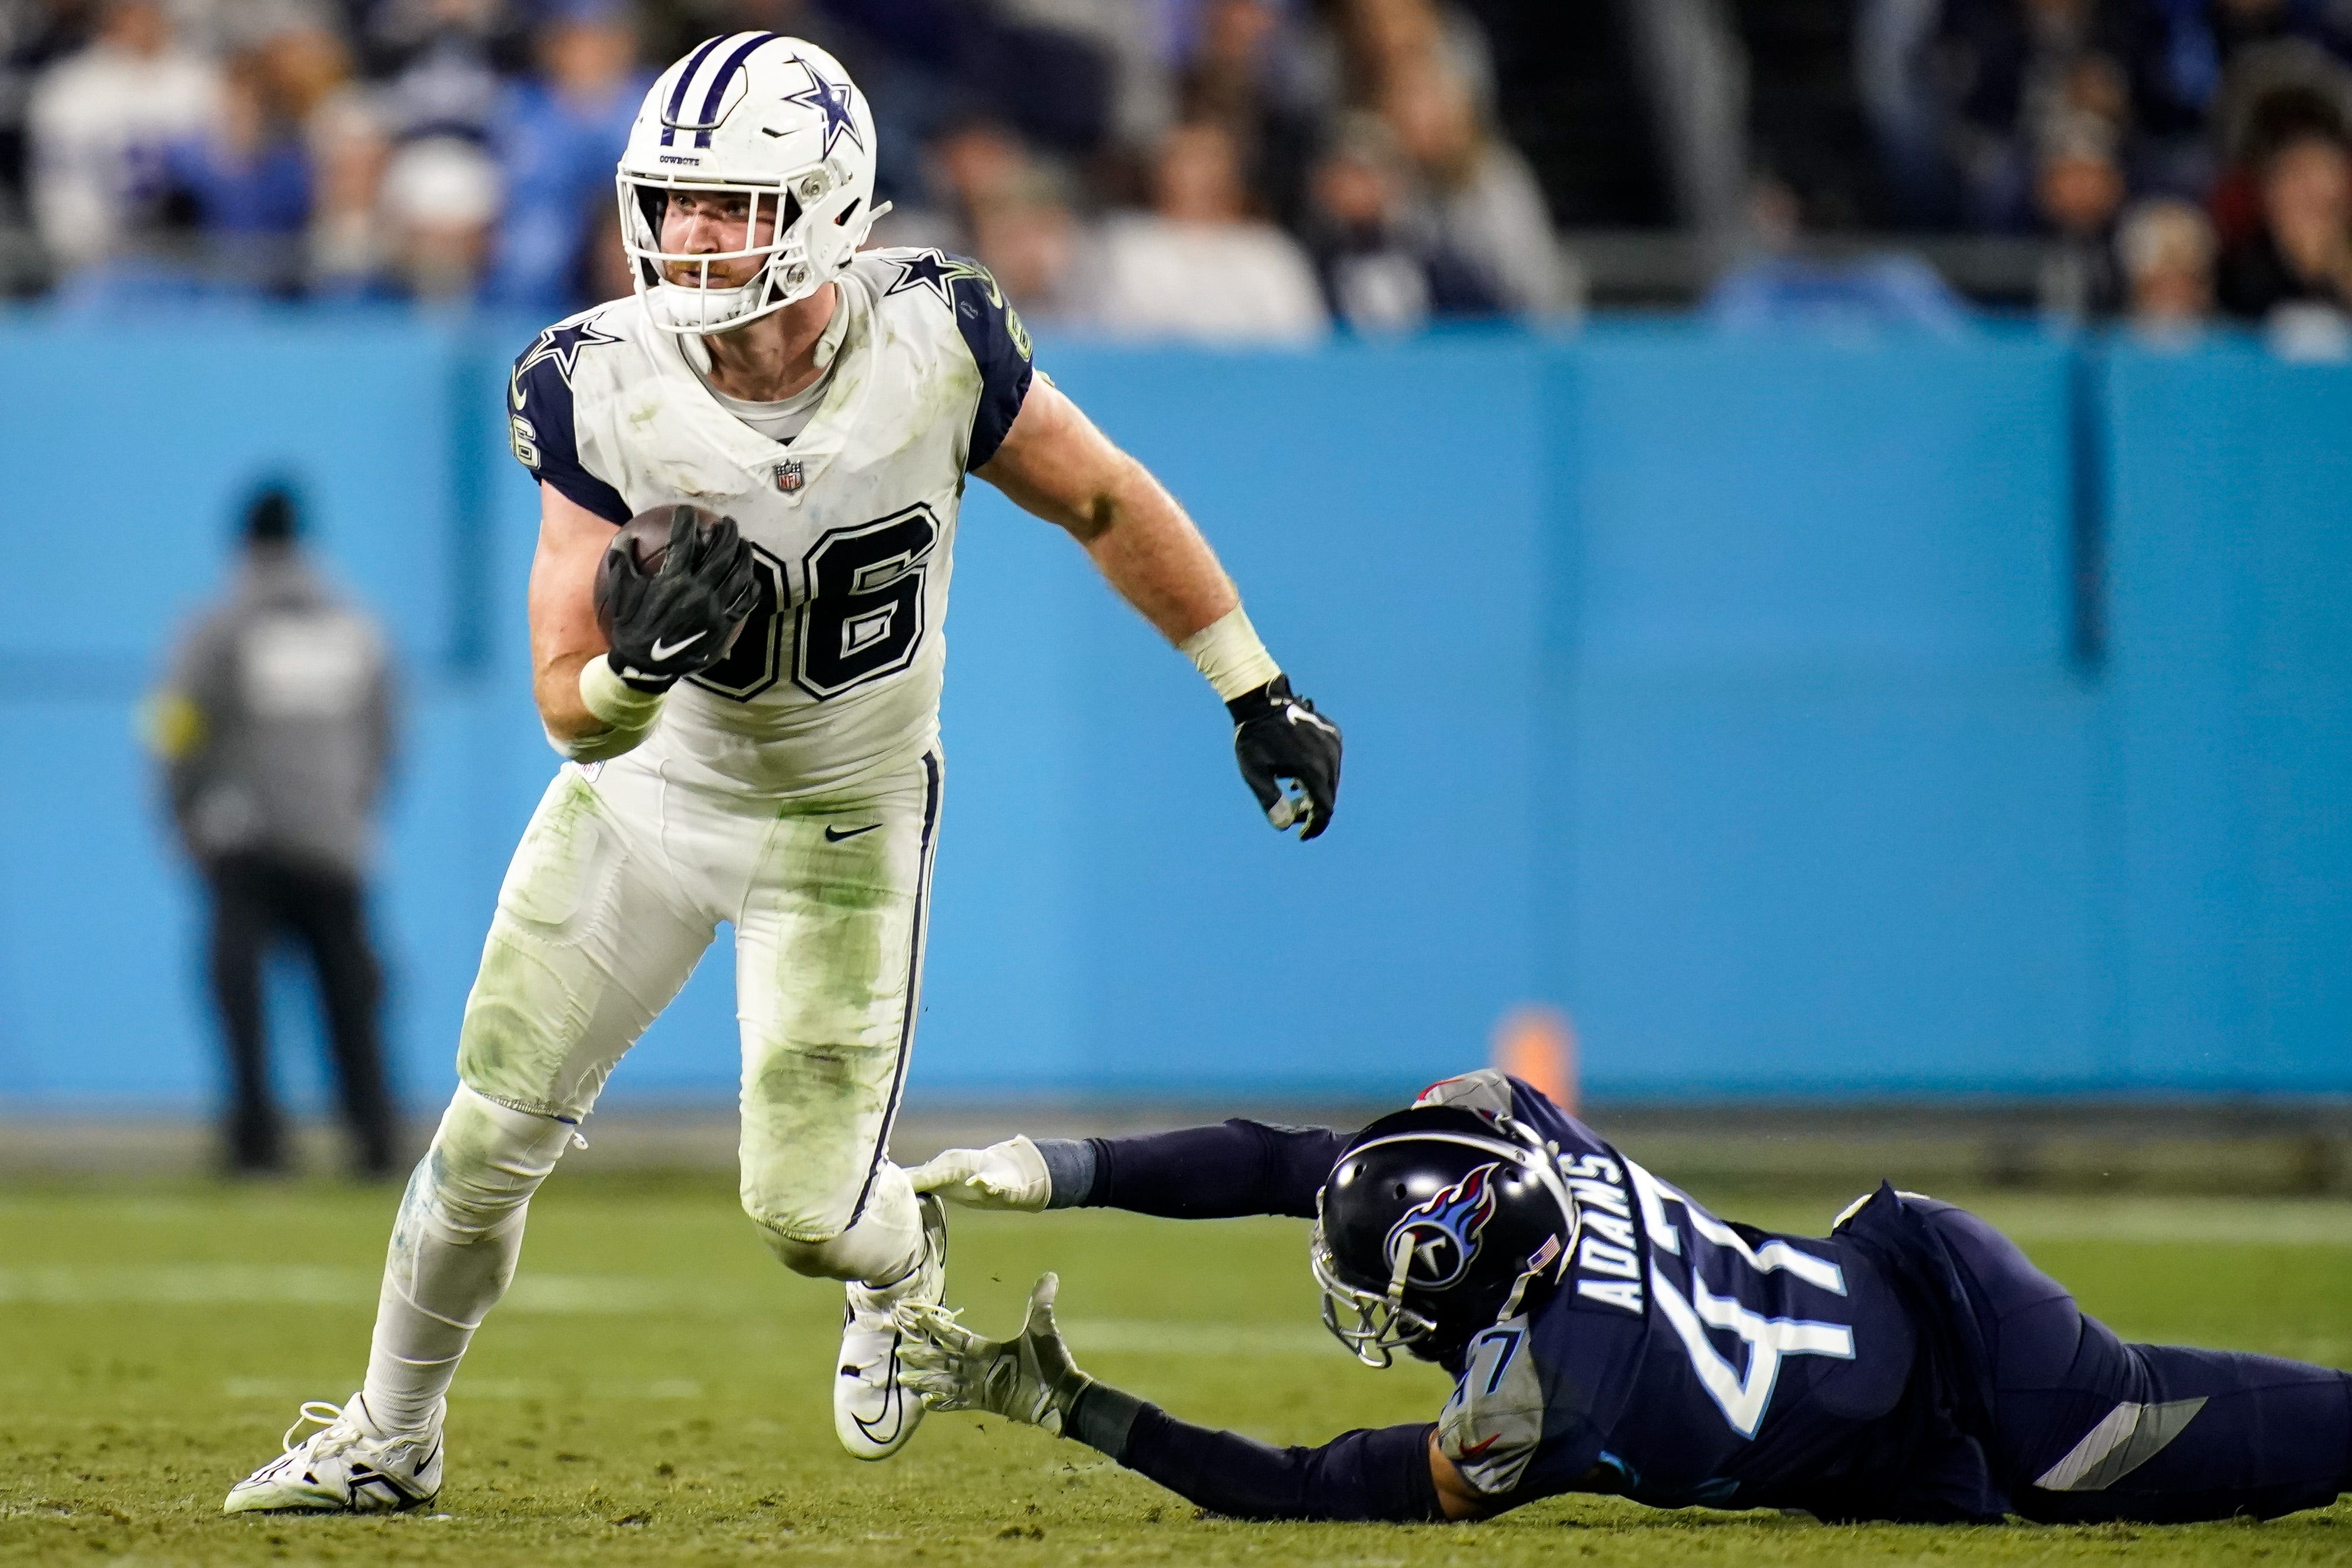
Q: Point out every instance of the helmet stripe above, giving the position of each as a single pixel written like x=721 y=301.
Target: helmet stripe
x=678 y=89
x=718 y=84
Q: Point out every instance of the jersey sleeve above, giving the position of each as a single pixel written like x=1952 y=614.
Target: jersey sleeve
x=540 y=424
x=1000 y=346
x=1235 y=1168
x=1504 y=1431
x=1494 y=1424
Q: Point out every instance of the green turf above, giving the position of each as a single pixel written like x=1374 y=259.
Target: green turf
x=654 y=1390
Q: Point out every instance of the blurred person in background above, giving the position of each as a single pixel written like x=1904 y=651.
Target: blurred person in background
x=968 y=155
x=1198 y=265
x=1079 y=73
x=1776 y=288
x=2166 y=248
x=440 y=199
x=1480 y=194
x=442 y=63
x=1364 y=46
x=349 y=154
x=2079 y=190
x=1240 y=75
x=100 y=122
x=554 y=136
x=2300 y=255
x=34 y=35
x=1382 y=270
x=603 y=265
x=1979 y=86
x=274 y=729
x=1025 y=232
x=2234 y=25
x=246 y=180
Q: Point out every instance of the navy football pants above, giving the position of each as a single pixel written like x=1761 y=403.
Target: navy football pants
x=2090 y=1428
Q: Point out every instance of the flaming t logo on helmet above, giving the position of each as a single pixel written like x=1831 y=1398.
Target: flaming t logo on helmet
x=1442 y=1235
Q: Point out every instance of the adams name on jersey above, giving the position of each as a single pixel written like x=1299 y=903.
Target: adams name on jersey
x=836 y=678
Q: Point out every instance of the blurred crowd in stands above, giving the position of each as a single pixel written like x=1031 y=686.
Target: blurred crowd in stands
x=2180 y=154
x=1218 y=169
x=1236 y=169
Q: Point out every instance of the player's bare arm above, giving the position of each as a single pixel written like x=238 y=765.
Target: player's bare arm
x=1458 y=1499
x=564 y=630
x=1056 y=464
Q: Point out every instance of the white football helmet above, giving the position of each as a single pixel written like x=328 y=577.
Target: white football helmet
x=763 y=116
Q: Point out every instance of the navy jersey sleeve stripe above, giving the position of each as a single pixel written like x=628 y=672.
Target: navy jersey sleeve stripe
x=1000 y=346
x=539 y=411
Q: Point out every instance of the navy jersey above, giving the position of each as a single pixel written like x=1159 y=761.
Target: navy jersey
x=1683 y=1359
x=1913 y=1365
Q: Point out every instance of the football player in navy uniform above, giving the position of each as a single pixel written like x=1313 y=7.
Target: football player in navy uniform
x=1609 y=1335
x=755 y=740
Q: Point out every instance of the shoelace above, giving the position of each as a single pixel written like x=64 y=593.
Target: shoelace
x=326 y=1416
x=926 y=1318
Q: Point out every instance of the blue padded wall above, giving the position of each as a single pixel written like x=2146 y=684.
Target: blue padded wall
x=1721 y=690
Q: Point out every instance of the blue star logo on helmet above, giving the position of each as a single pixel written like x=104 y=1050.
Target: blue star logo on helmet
x=830 y=99
x=1441 y=1235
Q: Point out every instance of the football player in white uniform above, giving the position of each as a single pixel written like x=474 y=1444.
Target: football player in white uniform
x=787 y=782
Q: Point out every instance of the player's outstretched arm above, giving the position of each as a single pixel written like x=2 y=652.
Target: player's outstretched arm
x=1235 y=1168
x=1055 y=462
x=1394 y=1473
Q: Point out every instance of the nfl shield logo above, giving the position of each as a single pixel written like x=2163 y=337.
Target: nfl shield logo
x=788 y=477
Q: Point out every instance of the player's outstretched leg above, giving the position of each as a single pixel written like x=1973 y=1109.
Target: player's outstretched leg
x=453 y=1253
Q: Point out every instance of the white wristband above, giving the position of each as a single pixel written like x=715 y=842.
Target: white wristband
x=613 y=700
x=627 y=713
x=1228 y=653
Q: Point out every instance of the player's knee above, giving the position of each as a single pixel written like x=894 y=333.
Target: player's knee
x=811 y=1232
x=486 y=1160
x=806 y=1230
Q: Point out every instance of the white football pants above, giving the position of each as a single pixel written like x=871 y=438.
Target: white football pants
x=613 y=894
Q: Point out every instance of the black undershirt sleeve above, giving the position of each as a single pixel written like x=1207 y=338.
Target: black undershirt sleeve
x=1235 y=1168
x=1369 y=1474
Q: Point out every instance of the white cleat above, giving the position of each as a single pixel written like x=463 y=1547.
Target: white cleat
x=348 y=1466
x=872 y=1415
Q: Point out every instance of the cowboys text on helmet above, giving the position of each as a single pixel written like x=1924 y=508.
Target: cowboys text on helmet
x=767 y=145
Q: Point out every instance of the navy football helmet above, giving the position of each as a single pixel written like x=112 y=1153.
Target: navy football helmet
x=1436 y=1222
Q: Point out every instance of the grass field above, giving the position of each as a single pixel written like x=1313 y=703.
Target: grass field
x=655 y=1389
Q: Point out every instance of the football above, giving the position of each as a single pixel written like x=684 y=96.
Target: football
x=647 y=537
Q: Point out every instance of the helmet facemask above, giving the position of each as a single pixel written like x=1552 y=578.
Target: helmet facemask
x=801 y=207
x=1373 y=1325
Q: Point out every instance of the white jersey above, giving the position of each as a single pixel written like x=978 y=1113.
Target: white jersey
x=836 y=678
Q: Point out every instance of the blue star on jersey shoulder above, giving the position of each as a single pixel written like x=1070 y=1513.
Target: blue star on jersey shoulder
x=560 y=345
x=938 y=272
x=830 y=99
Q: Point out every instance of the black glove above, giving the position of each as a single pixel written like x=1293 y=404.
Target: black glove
x=1277 y=735
x=683 y=618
